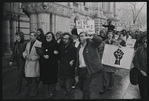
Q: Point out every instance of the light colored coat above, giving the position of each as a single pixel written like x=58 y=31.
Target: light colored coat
x=32 y=66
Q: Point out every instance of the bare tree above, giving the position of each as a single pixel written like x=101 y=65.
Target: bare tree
x=129 y=13
x=135 y=11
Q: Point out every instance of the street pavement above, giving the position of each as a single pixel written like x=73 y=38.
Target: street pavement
x=122 y=88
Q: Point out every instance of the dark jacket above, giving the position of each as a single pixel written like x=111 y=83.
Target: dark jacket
x=91 y=56
x=40 y=38
x=67 y=54
x=49 y=67
x=18 y=49
x=110 y=27
x=140 y=59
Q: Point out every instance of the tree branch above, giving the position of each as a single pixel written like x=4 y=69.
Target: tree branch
x=139 y=11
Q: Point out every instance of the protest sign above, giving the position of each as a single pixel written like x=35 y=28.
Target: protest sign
x=130 y=42
x=85 y=26
x=117 y=57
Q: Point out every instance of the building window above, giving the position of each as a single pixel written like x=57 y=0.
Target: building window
x=75 y=4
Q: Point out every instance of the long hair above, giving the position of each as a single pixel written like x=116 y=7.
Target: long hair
x=52 y=42
x=41 y=31
x=53 y=38
x=41 y=36
x=144 y=38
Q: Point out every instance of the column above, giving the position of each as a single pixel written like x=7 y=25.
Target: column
x=71 y=4
x=109 y=13
x=104 y=6
x=6 y=35
x=13 y=24
x=33 y=22
x=114 y=8
x=44 y=22
x=108 y=6
x=111 y=7
x=53 y=20
x=81 y=6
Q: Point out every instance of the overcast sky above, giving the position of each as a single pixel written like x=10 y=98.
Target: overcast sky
x=139 y=5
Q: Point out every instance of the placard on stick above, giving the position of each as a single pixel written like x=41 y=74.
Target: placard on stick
x=85 y=26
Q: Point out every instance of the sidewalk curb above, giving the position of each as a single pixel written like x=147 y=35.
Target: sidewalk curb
x=132 y=92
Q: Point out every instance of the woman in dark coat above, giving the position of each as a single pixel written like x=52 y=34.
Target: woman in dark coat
x=140 y=63
x=49 y=68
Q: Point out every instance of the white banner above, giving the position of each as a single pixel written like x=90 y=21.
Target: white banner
x=130 y=42
x=117 y=57
x=85 y=26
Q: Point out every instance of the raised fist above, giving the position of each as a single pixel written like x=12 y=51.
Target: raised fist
x=118 y=55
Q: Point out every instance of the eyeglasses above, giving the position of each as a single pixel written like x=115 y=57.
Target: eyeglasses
x=48 y=36
x=65 y=38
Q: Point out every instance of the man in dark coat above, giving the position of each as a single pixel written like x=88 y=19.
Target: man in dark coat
x=109 y=26
x=17 y=56
x=88 y=62
x=67 y=63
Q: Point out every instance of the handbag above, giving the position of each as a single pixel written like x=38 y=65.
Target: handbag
x=134 y=74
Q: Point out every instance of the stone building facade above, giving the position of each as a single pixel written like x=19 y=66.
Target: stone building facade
x=50 y=16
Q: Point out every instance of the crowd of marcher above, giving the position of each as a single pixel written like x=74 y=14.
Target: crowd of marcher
x=70 y=58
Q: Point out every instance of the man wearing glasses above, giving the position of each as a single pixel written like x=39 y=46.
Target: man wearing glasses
x=67 y=64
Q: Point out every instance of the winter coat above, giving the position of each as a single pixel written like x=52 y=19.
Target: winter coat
x=18 y=49
x=32 y=66
x=67 y=55
x=49 y=67
x=91 y=56
x=140 y=59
